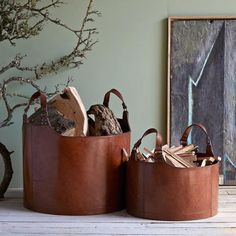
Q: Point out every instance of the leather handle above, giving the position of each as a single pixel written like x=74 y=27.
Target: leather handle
x=147 y=132
x=118 y=94
x=186 y=133
x=43 y=103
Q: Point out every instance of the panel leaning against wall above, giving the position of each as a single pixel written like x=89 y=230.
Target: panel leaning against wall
x=202 y=84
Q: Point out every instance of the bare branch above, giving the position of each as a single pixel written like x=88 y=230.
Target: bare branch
x=16 y=19
x=16 y=63
x=22 y=21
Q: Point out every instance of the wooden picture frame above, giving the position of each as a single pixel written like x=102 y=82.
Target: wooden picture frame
x=201 y=84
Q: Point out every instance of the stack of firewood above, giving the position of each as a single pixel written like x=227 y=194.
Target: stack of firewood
x=67 y=116
x=180 y=156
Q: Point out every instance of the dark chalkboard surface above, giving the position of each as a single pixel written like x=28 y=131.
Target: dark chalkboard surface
x=202 y=84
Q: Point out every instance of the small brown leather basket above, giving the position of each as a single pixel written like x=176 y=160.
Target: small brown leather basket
x=162 y=192
x=73 y=175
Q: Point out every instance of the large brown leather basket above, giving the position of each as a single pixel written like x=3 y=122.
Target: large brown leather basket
x=73 y=175
x=162 y=192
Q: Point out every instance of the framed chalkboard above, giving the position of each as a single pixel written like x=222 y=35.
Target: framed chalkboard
x=202 y=84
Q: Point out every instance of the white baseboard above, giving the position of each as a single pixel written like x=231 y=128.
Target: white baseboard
x=14 y=193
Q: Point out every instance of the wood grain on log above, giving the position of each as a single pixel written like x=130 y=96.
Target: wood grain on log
x=71 y=106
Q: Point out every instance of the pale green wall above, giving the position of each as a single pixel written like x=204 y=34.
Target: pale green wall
x=130 y=56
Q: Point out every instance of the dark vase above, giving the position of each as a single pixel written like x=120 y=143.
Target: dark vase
x=6 y=155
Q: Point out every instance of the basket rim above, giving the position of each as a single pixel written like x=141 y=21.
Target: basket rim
x=25 y=125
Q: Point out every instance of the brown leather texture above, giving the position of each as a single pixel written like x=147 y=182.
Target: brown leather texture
x=162 y=192
x=73 y=175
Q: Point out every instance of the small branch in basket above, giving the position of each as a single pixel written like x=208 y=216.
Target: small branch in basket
x=125 y=154
x=148 y=151
x=187 y=149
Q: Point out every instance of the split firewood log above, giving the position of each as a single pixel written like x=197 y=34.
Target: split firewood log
x=71 y=106
x=57 y=121
x=105 y=122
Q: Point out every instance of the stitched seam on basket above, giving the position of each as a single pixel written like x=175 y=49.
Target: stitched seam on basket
x=143 y=192
x=29 y=158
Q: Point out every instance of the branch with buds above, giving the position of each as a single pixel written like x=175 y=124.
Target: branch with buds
x=24 y=20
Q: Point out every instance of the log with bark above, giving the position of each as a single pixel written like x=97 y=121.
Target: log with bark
x=71 y=106
x=104 y=123
x=56 y=120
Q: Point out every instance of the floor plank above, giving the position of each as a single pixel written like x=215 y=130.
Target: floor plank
x=16 y=220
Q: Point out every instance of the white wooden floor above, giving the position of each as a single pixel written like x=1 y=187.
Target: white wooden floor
x=16 y=220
